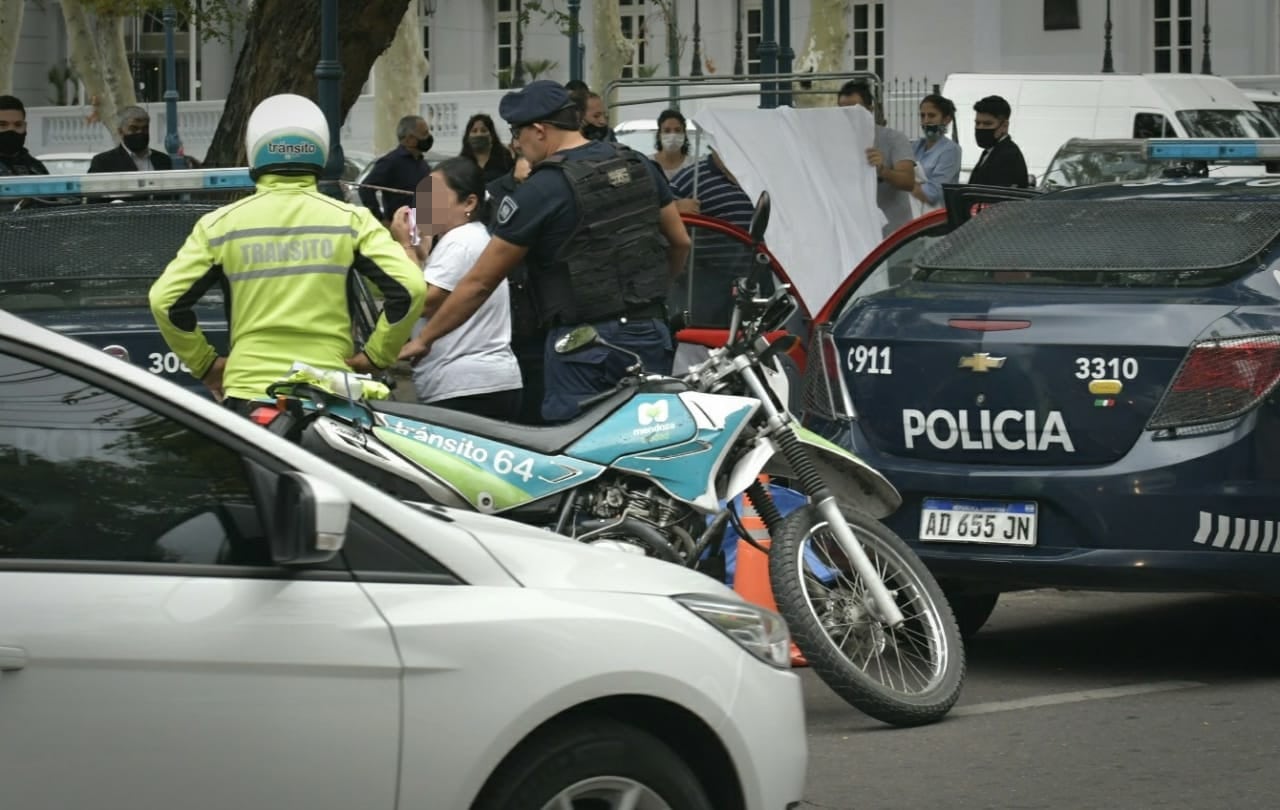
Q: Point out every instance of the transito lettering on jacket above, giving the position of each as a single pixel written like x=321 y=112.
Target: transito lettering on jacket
x=287 y=250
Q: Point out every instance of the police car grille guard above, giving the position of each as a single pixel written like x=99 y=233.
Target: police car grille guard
x=132 y=239
x=1107 y=236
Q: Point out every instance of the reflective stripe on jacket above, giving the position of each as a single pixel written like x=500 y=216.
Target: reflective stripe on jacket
x=282 y=257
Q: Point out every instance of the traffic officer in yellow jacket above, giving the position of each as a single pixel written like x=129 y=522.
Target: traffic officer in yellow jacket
x=282 y=257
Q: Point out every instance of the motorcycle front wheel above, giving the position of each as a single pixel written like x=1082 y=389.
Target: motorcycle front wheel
x=908 y=675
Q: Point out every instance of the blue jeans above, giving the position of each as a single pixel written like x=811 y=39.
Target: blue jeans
x=571 y=378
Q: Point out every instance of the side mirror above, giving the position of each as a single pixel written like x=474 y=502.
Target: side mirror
x=759 y=218
x=578 y=339
x=310 y=520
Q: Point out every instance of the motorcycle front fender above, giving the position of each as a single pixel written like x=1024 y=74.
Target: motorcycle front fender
x=851 y=479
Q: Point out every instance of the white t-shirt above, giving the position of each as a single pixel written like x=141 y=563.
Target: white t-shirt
x=475 y=358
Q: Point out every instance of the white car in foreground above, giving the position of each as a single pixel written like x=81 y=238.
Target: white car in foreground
x=195 y=613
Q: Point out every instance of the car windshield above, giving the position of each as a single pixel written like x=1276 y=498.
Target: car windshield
x=1087 y=164
x=1227 y=124
x=1271 y=109
x=78 y=294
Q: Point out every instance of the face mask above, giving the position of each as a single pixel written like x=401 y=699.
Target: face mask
x=12 y=141
x=986 y=138
x=479 y=143
x=136 y=141
x=424 y=144
x=594 y=132
x=932 y=132
x=672 y=141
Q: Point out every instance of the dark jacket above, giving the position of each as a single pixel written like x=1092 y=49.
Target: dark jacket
x=1001 y=165
x=22 y=163
x=119 y=160
x=396 y=169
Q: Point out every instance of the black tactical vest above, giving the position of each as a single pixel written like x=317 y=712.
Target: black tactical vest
x=616 y=258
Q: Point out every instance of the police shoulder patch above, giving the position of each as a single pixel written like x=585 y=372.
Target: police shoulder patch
x=507 y=210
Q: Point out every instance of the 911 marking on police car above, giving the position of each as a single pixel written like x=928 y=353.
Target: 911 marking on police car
x=166 y=363
x=870 y=359
x=944 y=520
x=985 y=430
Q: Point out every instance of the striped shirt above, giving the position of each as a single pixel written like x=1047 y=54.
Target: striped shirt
x=719 y=196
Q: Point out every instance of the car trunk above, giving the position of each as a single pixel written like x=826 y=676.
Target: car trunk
x=1038 y=379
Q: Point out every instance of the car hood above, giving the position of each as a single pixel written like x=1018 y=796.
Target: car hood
x=539 y=558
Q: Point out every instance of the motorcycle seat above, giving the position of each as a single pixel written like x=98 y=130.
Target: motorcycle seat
x=548 y=440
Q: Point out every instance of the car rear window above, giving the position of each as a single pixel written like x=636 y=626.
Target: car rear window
x=1142 y=242
x=90 y=256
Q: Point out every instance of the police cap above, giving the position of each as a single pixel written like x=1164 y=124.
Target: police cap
x=536 y=101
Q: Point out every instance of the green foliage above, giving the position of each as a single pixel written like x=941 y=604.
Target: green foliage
x=216 y=19
x=536 y=67
x=648 y=71
x=550 y=12
x=61 y=77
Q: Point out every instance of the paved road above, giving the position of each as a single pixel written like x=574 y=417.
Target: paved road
x=1079 y=700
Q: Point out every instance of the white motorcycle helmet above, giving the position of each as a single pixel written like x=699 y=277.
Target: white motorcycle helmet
x=287 y=134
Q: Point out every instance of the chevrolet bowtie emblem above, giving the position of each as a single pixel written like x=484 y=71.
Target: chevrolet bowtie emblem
x=981 y=362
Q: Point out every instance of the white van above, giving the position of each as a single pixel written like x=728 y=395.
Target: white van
x=1049 y=109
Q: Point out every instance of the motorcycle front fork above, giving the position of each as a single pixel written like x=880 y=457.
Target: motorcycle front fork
x=797 y=457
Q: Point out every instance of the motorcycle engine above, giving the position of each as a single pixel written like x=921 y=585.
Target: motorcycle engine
x=612 y=500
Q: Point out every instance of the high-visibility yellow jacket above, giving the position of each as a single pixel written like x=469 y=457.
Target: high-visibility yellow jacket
x=282 y=257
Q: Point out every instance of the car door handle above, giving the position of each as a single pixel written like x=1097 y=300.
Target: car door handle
x=12 y=658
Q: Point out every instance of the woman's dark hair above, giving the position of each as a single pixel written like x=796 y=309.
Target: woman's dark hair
x=945 y=105
x=464 y=178
x=667 y=115
x=498 y=154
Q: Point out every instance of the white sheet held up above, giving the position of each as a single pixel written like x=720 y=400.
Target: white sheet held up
x=824 y=218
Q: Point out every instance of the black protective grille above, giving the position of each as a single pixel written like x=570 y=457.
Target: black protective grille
x=129 y=239
x=816 y=388
x=1107 y=236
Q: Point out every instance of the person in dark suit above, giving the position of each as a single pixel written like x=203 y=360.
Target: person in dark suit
x=402 y=168
x=134 y=152
x=1001 y=162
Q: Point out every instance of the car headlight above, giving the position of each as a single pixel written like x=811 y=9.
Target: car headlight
x=760 y=632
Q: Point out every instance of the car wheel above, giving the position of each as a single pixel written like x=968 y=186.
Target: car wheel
x=593 y=764
x=971 y=609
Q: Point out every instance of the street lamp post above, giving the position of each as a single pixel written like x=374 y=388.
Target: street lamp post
x=785 y=54
x=517 y=70
x=329 y=87
x=768 y=56
x=673 y=57
x=575 y=63
x=737 y=41
x=172 y=143
x=695 y=69
x=1108 y=63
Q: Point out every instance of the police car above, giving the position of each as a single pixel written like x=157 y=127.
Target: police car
x=1073 y=388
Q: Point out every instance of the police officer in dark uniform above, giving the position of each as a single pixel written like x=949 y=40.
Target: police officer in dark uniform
x=599 y=231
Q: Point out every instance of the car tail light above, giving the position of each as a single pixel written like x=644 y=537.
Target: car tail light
x=825 y=394
x=265 y=415
x=1220 y=380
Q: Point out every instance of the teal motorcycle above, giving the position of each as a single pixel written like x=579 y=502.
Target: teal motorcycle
x=654 y=467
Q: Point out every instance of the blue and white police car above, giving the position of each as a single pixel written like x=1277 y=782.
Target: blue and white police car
x=1074 y=388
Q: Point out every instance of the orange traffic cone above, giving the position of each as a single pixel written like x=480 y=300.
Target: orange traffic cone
x=751 y=574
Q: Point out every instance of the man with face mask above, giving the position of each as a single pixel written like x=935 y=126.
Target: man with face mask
x=1001 y=162
x=134 y=154
x=14 y=157
x=402 y=168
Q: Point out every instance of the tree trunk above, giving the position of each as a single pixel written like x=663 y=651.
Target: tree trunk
x=397 y=78
x=116 y=71
x=281 y=49
x=824 y=50
x=87 y=64
x=10 y=28
x=612 y=50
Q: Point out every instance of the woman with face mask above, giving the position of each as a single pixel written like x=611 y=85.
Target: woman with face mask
x=937 y=156
x=672 y=143
x=481 y=146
